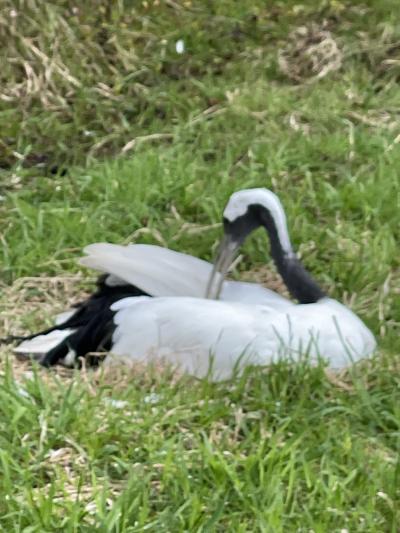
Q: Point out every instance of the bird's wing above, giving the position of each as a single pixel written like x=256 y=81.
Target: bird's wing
x=164 y=272
x=156 y=270
x=190 y=333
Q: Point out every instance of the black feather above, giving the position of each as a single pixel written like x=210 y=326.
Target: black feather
x=93 y=322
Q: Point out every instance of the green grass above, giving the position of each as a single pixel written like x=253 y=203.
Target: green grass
x=284 y=450
x=277 y=451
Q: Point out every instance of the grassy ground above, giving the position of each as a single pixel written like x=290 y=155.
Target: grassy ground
x=107 y=133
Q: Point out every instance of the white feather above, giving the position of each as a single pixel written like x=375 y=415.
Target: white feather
x=69 y=359
x=157 y=271
x=190 y=333
x=164 y=272
x=252 y=293
x=40 y=345
x=63 y=317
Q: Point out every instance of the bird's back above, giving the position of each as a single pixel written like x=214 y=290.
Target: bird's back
x=187 y=332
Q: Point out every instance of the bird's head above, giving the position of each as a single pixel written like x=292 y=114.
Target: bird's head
x=246 y=211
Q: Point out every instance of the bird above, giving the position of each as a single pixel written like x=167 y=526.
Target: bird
x=128 y=271
x=216 y=338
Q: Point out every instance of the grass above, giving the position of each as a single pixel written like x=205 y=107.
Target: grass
x=109 y=134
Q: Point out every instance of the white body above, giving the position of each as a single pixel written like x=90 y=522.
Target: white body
x=206 y=337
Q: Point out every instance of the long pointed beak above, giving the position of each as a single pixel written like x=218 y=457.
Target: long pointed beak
x=221 y=266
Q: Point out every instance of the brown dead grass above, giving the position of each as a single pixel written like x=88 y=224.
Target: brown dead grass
x=36 y=300
x=30 y=303
x=267 y=277
x=310 y=54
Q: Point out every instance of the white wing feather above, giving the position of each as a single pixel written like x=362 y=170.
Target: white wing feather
x=157 y=271
x=164 y=272
x=40 y=345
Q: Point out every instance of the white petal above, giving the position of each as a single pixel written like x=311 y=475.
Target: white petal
x=180 y=46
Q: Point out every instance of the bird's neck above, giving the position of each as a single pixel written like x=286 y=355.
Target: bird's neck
x=299 y=282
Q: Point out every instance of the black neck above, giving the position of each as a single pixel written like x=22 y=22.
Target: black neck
x=299 y=282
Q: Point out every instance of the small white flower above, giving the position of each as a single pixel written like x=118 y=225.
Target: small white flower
x=24 y=393
x=180 y=46
x=385 y=497
x=118 y=404
x=153 y=397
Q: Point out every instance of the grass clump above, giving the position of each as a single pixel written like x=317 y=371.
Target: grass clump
x=275 y=451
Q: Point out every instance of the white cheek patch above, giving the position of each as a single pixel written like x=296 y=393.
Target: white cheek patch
x=235 y=208
x=240 y=201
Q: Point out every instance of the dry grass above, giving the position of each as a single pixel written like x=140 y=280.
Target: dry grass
x=38 y=299
x=310 y=54
x=29 y=296
x=268 y=277
x=28 y=305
